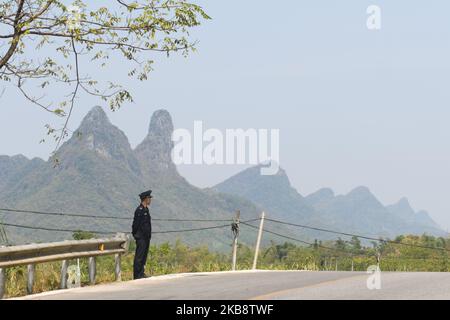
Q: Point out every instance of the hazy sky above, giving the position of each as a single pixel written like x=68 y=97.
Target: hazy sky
x=354 y=107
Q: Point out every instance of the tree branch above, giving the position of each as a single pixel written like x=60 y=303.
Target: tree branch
x=72 y=101
x=16 y=37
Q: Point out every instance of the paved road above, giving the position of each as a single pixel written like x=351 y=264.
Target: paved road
x=262 y=285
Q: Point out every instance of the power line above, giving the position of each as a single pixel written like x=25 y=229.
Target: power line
x=356 y=235
x=189 y=230
x=295 y=239
x=54 y=229
x=9 y=210
x=106 y=217
x=62 y=214
x=385 y=259
x=203 y=228
x=192 y=220
x=111 y=232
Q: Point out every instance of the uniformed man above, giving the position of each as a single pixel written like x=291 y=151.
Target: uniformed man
x=142 y=233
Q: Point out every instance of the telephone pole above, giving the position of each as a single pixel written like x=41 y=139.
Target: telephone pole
x=235 y=230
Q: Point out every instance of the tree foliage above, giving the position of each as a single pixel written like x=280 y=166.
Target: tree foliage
x=52 y=45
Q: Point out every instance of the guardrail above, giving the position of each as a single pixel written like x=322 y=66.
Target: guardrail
x=32 y=254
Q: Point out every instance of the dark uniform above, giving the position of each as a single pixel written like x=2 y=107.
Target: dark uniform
x=142 y=233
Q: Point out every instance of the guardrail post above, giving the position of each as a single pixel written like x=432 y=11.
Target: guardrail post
x=92 y=270
x=30 y=278
x=117 y=269
x=64 y=266
x=2 y=282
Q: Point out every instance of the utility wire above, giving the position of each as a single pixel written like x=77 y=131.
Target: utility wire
x=56 y=229
x=106 y=217
x=192 y=220
x=108 y=232
x=295 y=239
x=111 y=232
x=356 y=235
x=52 y=229
x=398 y=259
x=62 y=214
x=189 y=230
x=199 y=220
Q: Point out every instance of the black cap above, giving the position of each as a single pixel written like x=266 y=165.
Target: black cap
x=146 y=194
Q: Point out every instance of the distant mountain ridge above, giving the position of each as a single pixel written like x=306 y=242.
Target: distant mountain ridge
x=359 y=211
x=273 y=193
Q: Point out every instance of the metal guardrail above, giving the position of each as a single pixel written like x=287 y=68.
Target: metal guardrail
x=32 y=254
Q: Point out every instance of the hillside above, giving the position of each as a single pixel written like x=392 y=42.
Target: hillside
x=100 y=174
x=359 y=211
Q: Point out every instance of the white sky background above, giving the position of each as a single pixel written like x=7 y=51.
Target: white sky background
x=354 y=107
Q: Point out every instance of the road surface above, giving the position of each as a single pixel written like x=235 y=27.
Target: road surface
x=262 y=285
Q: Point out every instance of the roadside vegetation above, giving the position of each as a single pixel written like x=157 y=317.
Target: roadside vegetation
x=178 y=257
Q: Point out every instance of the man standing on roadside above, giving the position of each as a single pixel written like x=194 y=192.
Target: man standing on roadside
x=142 y=233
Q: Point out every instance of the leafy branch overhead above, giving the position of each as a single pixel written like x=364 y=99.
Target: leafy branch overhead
x=51 y=45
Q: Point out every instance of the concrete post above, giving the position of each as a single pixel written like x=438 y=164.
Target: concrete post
x=117 y=268
x=92 y=270
x=2 y=282
x=235 y=240
x=30 y=278
x=258 y=241
x=63 y=281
